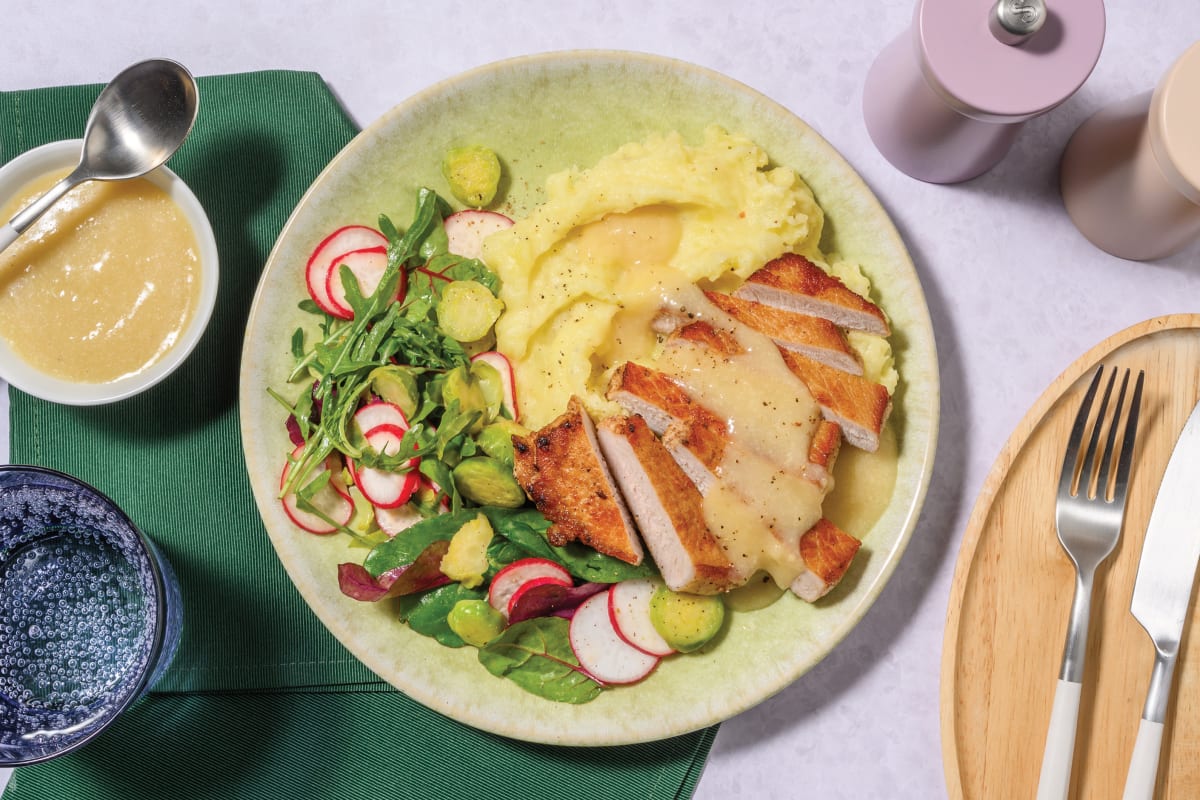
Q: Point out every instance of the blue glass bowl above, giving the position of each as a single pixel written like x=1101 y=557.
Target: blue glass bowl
x=89 y=613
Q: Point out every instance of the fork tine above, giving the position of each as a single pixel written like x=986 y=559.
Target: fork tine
x=1122 y=484
x=1109 y=456
x=1066 y=481
x=1091 y=460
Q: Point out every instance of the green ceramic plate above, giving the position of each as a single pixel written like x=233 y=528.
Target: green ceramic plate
x=542 y=114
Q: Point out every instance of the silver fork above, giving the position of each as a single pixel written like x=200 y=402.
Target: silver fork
x=1088 y=514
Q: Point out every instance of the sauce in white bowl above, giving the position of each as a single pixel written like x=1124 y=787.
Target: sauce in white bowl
x=109 y=292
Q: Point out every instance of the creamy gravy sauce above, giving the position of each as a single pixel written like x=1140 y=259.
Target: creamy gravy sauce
x=646 y=236
x=764 y=499
x=103 y=285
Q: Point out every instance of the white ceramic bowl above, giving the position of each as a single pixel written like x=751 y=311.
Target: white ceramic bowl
x=63 y=155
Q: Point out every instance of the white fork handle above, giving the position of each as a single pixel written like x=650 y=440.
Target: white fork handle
x=1143 y=767
x=1055 y=779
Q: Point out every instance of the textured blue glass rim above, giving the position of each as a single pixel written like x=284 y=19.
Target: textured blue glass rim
x=160 y=594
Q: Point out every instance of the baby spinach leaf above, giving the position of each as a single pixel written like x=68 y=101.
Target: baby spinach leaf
x=401 y=550
x=526 y=528
x=426 y=613
x=536 y=655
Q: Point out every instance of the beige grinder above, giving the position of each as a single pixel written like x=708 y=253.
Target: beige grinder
x=1130 y=174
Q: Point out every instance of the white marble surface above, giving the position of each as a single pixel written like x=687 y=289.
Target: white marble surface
x=1016 y=294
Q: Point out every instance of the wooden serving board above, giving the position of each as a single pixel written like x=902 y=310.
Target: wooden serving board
x=1012 y=593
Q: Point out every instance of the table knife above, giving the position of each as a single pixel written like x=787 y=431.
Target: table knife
x=1162 y=592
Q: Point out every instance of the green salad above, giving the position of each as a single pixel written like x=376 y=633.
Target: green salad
x=402 y=417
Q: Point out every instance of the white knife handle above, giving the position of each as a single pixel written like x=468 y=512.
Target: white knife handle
x=1143 y=767
x=1060 y=742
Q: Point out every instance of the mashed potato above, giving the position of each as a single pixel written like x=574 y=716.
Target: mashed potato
x=585 y=272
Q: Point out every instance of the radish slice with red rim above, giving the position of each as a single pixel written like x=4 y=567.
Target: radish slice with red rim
x=367 y=266
x=601 y=651
x=342 y=240
x=332 y=500
x=382 y=487
x=377 y=413
x=629 y=606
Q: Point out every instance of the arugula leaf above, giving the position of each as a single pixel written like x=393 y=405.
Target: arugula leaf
x=536 y=655
x=380 y=330
x=310 y=306
x=298 y=343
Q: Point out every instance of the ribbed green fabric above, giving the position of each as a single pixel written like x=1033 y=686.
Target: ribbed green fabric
x=290 y=746
x=261 y=701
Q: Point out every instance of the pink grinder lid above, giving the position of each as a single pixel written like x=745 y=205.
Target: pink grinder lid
x=983 y=77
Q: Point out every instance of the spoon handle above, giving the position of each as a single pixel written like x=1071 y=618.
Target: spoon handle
x=32 y=212
x=8 y=235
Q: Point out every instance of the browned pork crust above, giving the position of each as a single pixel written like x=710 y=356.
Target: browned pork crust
x=794 y=283
x=561 y=469
x=827 y=551
x=815 y=337
x=860 y=406
x=667 y=506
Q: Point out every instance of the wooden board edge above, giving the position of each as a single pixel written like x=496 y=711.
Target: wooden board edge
x=979 y=514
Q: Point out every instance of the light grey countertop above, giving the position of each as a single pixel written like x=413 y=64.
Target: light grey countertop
x=1015 y=293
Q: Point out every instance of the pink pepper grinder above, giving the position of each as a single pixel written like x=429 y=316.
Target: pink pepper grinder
x=945 y=101
x=1131 y=173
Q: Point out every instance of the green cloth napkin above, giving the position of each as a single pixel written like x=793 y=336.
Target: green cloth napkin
x=260 y=701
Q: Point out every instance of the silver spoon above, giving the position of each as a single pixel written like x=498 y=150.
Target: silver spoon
x=137 y=123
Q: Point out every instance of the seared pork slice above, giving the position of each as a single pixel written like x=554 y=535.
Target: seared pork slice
x=827 y=551
x=698 y=445
x=561 y=469
x=815 y=337
x=826 y=442
x=650 y=393
x=858 y=405
x=691 y=448
x=694 y=436
x=823 y=452
x=794 y=283
x=704 y=333
x=667 y=506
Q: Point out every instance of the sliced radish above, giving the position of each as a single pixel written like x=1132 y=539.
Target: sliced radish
x=333 y=500
x=507 y=379
x=394 y=521
x=600 y=649
x=509 y=579
x=367 y=266
x=386 y=488
x=377 y=413
x=629 y=606
x=466 y=230
x=342 y=240
x=385 y=436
